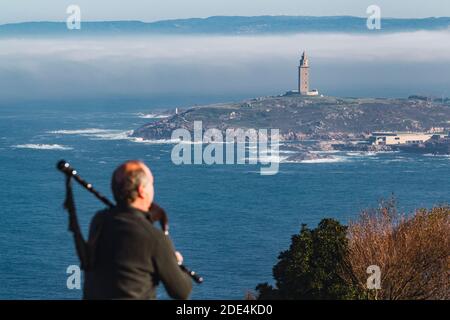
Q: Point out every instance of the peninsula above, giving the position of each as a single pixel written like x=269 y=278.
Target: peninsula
x=325 y=119
x=361 y=124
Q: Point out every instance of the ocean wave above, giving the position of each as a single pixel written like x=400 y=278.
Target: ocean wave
x=40 y=146
x=268 y=159
x=391 y=151
x=79 y=131
x=325 y=151
x=396 y=160
x=98 y=134
x=152 y=116
x=324 y=160
x=361 y=153
x=114 y=135
x=437 y=155
x=157 y=141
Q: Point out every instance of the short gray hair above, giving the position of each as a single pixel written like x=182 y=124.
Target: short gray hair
x=126 y=180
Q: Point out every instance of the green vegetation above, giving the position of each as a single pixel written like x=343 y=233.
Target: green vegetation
x=331 y=261
x=308 y=270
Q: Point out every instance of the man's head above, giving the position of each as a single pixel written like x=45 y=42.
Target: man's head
x=132 y=184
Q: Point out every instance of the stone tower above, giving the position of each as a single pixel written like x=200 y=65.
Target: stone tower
x=303 y=75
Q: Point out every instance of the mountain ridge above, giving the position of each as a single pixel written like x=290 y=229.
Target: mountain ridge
x=233 y=25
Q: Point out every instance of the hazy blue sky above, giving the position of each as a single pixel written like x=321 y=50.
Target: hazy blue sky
x=150 y=10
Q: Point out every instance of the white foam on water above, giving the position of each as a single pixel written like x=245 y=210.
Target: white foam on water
x=114 y=134
x=324 y=160
x=268 y=159
x=394 y=151
x=98 y=134
x=152 y=116
x=157 y=141
x=396 y=160
x=87 y=131
x=188 y=142
x=325 y=151
x=40 y=146
x=361 y=153
x=437 y=155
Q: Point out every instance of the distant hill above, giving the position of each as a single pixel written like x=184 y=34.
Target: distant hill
x=233 y=25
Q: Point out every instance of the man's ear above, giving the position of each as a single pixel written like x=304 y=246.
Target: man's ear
x=141 y=191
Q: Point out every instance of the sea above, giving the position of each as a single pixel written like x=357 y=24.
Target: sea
x=229 y=222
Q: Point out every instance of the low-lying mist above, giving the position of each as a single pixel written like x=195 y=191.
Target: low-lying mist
x=390 y=65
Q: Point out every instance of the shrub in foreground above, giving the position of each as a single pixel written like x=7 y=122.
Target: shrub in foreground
x=308 y=270
x=413 y=252
x=331 y=261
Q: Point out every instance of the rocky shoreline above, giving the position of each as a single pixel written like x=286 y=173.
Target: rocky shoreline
x=332 y=123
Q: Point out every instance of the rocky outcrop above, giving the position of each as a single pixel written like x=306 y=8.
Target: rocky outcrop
x=302 y=118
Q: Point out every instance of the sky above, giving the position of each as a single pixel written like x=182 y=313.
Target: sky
x=151 y=10
x=344 y=65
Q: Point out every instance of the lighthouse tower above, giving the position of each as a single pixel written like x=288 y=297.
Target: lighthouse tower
x=303 y=75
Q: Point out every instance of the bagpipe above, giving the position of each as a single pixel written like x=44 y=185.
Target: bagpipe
x=82 y=247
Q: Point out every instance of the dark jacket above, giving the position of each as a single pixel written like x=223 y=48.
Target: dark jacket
x=130 y=257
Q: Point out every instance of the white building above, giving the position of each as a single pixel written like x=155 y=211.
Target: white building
x=395 y=138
